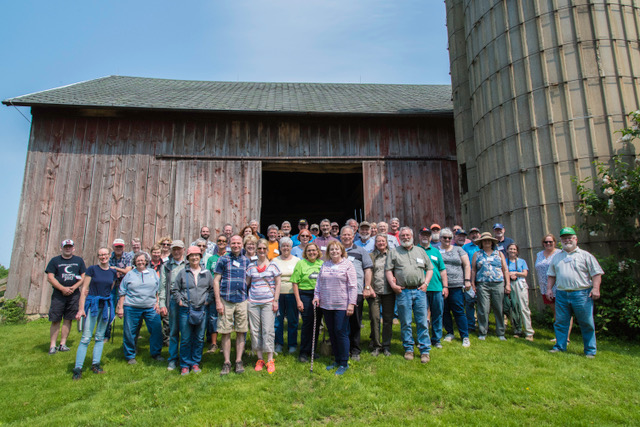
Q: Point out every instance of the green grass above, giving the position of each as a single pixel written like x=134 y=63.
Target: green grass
x=511 y=383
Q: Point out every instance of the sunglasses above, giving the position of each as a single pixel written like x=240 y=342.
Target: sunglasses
x=548 y=243
x=445 y=238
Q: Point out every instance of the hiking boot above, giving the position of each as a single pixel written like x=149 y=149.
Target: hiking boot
x=97 y=369
x=226 y=368
x=375 y=352
x=77 y=373
x=213 y=348
x=53 y=350
x=259 y=365
x=158 y=358
x=424 y=358
x=239 y=367
x=408 y=355
x=132 y=361
x=386 y=352
x=303 y=358
x=466 y=342
x=171 y=366
x=355 y=357
x=184 y=371
x=196 y=369
x=271 y=366
x=63 y=347
x=341 y=370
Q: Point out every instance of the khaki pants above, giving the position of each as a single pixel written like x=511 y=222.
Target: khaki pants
x=261 y=324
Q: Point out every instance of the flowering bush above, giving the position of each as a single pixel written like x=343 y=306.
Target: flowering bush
x=610 y=205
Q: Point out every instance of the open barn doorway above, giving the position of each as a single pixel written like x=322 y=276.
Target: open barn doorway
x=310 y=191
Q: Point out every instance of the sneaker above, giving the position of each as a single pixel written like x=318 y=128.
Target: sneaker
x=466 y=342
x=171 y=366
x=53 y=350
x=271 y=366
x=529 y=338
x=292 y=350
x=184 y=371
x=213 y=348
x=259 y=365
x=196 y=369
x=132 y=361
x=303 y=358
x=437 y=345
x=590 y=356
x=77 y=373
x=386 y=352
x=277 y=349
x=408 y=355
x=341 y=370
x=424 y=358
x=158 y=358
x=239 y=367
x=226 y=368
x=448 y=338
x=63 y=347
x=482 y=337
x=332 y=367
x=554 y=350
x=502 y=338
x=355 y=357
x=97 y=369
x=375 y=352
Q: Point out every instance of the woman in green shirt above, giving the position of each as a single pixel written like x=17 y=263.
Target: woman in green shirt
x=303 y=279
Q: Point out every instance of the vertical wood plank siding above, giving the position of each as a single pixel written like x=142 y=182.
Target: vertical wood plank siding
x=96 y=179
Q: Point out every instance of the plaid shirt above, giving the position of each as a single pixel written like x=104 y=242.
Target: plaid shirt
x=233 y=281
x=123 y=262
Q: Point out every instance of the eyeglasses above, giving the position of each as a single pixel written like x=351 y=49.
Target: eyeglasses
x=548 y=242
x=222 y=241
x=166 y=244
x=445 y=238
x=202 y=246
x=262 y=249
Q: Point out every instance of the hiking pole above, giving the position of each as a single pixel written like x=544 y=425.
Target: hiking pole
x=313 y=337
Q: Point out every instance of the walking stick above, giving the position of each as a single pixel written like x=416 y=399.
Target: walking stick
x=313 y=337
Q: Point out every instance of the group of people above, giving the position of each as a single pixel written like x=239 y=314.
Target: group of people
x=250 y=282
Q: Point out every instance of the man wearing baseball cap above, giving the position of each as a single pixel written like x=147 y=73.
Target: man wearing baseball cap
x=435 y=235
x=120 y=261
x=169 y=308
x=577 y=275
x=65 y=273
x=503 y=242
x=470 y=295
x=302 y=225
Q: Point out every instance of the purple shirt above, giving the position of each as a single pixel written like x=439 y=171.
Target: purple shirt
x=337 y=285
x=322 y=242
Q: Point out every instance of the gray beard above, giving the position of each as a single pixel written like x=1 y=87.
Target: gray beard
x=407 y=244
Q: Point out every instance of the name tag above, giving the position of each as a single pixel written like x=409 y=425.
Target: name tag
x=313 y=276
x=491 y=259
x=235 y=264
x=277 y=252
x=323 y=248
x=419 y=260
x=435 y=258
x=500 y=247
x=335 y=267
x=442 y=251
x=254 y=258
x=351 y=258
x=568 y=260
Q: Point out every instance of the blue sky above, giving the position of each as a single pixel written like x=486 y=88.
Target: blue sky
x=47 y=44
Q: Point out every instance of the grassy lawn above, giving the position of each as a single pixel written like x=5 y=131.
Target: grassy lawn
x=497 y=383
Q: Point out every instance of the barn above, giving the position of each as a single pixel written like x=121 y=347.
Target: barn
x=124 y=157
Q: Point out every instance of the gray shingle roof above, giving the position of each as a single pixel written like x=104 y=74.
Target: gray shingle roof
x=294 y=98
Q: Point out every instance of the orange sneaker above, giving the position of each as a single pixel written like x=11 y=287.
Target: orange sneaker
x=259 y=365
x=271 y=366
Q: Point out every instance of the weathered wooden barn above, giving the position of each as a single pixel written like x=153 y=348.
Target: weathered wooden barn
x=124 y=157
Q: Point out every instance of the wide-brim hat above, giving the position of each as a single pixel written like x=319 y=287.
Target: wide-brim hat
x=194 y=250
x=486 y=236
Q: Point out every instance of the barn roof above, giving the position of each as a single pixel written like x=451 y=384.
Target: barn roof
x=122 y=92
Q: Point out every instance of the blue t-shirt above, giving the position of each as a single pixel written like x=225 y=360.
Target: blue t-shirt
x=519 y=265
x=101 y=280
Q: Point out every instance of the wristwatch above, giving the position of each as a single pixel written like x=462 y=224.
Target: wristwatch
x=368 y=287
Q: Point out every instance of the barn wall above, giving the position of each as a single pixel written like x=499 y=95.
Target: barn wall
x=94 y=179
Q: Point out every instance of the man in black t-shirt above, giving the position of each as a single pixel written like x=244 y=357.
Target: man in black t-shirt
x=65 y=273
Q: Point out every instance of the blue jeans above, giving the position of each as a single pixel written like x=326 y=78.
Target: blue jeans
x=413 y=301
x=581 y=305
x=114 y=297
x=89 y=323
x=191 y=339
x=435 y=301
x=454 y=303
x=338 y=328
x=470 y=310
x=307 y=333
x=287 y=306
x=174 y=331
x=133 y=317
x=212 y=319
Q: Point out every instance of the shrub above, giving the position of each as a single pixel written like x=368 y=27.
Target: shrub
x=618 y=310
x=13 y=311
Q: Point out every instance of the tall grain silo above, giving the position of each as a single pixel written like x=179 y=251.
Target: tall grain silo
x=539 y=89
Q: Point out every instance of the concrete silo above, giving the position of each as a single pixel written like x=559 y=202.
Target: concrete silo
x=539 y=89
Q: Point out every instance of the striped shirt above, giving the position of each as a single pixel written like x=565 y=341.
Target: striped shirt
x=337 y=285
x=233 y=282
x=263 y=283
